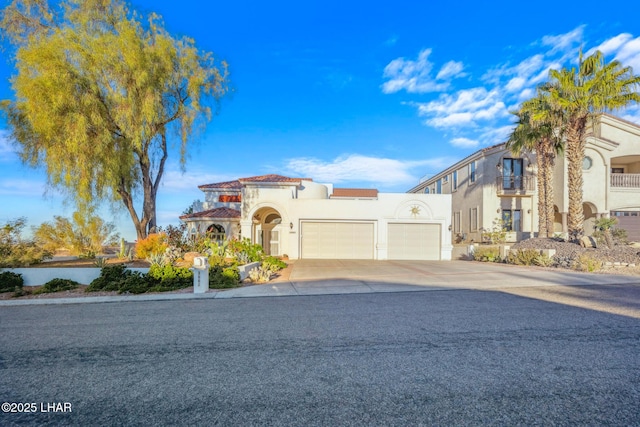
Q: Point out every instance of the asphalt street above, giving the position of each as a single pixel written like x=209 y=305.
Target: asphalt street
x=463 y=357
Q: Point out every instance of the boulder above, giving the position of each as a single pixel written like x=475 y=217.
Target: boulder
x=588 y=242
x=189 y=257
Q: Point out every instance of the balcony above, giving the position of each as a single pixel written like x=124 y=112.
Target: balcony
x=625 y=180
x=516 y=185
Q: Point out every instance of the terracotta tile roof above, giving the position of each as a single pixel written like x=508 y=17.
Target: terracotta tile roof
x=272 y=178
x=228 y=185
x=355 y=192
x=218 y=213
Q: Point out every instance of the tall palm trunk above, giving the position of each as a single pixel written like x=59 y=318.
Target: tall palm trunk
x=575 y=156
x=541 y=179
x=545 y=160
x=548 y=204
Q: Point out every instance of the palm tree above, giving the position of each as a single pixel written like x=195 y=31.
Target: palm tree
x=583 y=94
x=539 y=128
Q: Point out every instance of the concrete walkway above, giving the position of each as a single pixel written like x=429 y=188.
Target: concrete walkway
x=327 y=277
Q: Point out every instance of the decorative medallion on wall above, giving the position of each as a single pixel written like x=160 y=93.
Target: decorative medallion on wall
x=415 y=210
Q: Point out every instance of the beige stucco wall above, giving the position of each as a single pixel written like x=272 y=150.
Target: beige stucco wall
x=387 y=208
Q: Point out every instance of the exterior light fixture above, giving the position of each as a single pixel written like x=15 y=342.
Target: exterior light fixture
x=449 y=227
x=291 y=225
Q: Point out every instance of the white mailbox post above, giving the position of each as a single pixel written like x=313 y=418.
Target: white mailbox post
x=200 y=275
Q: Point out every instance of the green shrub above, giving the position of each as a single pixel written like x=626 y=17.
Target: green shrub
x=16 y=251
x=10 y=281
x=273 y=264
x=136 y=283
x=245 y=251
x=523 y=257
x=110 y=278
x=57 y=285
x=587 y=262
x=171 y=277
x=544 y=260
x=487 y=254
x=223 y=278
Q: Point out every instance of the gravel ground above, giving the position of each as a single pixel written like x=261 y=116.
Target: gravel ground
x=619 y=253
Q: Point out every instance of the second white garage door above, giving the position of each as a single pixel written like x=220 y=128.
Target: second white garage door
x=337 y=240
x=414 y=241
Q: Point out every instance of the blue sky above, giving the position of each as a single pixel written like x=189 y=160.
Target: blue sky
x=359 y=94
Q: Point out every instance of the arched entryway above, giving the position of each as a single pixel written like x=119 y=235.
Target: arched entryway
x=267 y=230
x=216 y=232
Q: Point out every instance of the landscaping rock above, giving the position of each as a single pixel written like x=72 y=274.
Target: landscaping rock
x=588 y=242
x=566 y=252
x=190 y=256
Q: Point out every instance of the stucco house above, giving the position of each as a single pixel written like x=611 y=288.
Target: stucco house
x=493 y=184
x=300 y=218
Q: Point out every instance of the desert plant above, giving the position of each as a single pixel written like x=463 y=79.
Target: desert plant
x=156 y=259
x=497 y=233
x=57 y=285
x=100 y=262
x=605 y=225
x=15 y=250
x=273 y=264
x=176 y=236
x=154 y=244
x=261 y=274
x=84 y=235
x=544 y=260
x=487 y=254
x=523 y=256
x=10 y=281
x=587 y=262
x=245 y=250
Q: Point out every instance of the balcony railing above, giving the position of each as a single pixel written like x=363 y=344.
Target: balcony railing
x=516 y=185
x=625 y=180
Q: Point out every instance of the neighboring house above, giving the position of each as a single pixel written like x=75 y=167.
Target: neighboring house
x=492 y=184
x=304 y=219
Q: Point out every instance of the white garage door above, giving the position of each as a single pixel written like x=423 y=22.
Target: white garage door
x=414 y=241
x=337 y=240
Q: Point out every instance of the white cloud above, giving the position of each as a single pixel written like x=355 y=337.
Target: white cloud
x=415 y=76
x=464 y=142
x=629 y=54
x=464 y=108
x=451 y=69
x=361 y=168
x=564 y=42
x=611 y=45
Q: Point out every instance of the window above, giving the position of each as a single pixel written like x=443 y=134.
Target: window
x=587 y=162
x=454 y=179
x=456 y=222
x=439 y=186
x=472 y=172
x=473 y=220
x=512 y=174
x=426 y=190
x=445 y=179
x=617 y=170
x=512 y=219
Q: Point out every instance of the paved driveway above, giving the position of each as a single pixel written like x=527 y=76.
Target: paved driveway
x=317 y=277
